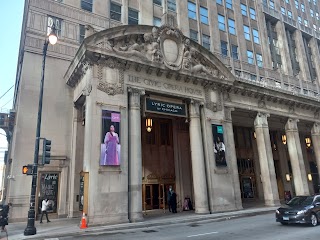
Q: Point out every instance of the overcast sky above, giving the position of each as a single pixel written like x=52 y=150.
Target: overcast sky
x=10 y=21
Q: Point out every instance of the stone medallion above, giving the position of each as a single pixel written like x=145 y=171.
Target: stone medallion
x=171 y=46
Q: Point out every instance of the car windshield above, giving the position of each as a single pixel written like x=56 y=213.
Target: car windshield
x=301 y=200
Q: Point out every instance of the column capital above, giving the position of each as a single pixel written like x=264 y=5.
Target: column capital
x=135 y=91
x=135 y=96
x=261 y=119
x=292 y=124
x=227 y=113
x=315 y=129
x=194 y=108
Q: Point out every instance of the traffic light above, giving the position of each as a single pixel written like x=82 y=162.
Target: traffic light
x=46 y=151
x=27 y=169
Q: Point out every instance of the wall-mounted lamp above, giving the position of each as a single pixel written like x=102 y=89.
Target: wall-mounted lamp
x=149 y=124
x=288 y=177
x=308 y=142
x=254 y=135
x=284 y=139
x=310 y=177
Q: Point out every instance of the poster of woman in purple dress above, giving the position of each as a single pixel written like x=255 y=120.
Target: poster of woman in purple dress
x=110 y=144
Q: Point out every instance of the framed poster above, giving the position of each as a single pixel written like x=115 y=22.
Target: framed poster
x=110 y=142
x=218 y=145
x=49 y=190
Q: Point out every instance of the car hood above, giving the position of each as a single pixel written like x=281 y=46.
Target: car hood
x=293 y=208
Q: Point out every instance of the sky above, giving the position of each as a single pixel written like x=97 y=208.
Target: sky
x=10 y=21
x=10 y=24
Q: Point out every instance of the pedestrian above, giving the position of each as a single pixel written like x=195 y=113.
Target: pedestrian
x=4 y=216
x=44 y=209
x=169 y=198
x=173 y=202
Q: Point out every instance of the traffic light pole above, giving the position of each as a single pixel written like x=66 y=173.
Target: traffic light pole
x=31 y=229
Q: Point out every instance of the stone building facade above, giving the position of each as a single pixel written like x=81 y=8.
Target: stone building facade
x=218 y=99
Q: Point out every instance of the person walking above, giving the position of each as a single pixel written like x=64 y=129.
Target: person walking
x=44 y=208
x=173 y=202
x=169 y=198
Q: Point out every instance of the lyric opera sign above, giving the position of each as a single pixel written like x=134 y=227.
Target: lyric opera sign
x=168 y=108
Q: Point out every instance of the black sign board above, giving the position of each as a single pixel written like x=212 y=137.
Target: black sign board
x=49 y=189
x=168 y=108
x=81 y=192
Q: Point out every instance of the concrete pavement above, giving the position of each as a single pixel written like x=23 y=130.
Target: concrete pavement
x=70 y=227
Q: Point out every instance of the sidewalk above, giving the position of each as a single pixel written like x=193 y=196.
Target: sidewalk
x=69 y=227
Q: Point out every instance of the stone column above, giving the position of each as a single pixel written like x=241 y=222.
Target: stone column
x=197 y=159
x=268 y=175
x=295 y=153
x=315 y=135
x=231 y=152
x=135 y=156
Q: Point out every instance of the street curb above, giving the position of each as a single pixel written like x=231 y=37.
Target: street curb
x=105 y=229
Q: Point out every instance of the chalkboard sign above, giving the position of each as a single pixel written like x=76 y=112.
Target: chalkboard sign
x=49 y=189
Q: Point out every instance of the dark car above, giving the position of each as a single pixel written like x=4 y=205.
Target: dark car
x=300 y=209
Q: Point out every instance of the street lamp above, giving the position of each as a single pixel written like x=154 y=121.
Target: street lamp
x=31 y=229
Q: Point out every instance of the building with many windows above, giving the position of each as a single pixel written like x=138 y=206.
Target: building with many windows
x=217 y=98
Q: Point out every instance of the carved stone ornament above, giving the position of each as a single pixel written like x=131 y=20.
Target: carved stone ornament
x=317 y=114
x=213 y=104
x=171 y=46
x=112 y=88
x=262 y=104
x=87 y=90
x=292 y=124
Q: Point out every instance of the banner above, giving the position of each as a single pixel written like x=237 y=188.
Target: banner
x=49 y=190
x=110 y=142
x=219 y=148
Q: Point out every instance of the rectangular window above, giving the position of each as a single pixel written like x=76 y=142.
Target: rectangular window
x=250 y=56
x=299 y=19
x=221 y=22
x=57 y=24
x=283 y=11
x=156 y=21
x=172 y=6
x=287 y=1
x=306 y=23
x=194 y=35
x=115 y=12
x=311 y=13
x=243 y=9
x=302 y=7
x=219 y=2
x=157 y=2
x=246 y=31
x=296 y=3
x=252 y=13
x=317 y=16
x=133 y=17
x=271 y=4
x=234 y=50
x=224 y=48
x=86 y=5
x=232 y=27
x=229 y=4
x=206 y=41
x=259 y=60
x=255 y=34
x=192 y=10
x=289 y=14
x=82 y=31
x=204 y=15
x=315 y=27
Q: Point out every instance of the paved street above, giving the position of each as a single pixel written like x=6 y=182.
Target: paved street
x=262 y=227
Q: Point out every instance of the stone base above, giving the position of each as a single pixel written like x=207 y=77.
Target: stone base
x=202 y=211
x=106 y=219
x=136 y=217
x=271 y=203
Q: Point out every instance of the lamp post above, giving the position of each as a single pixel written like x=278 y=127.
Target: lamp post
x=31 y=229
